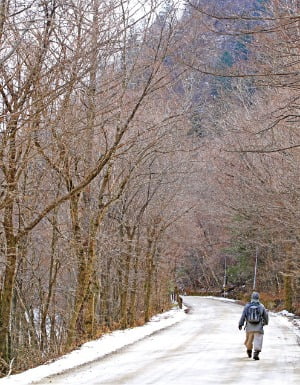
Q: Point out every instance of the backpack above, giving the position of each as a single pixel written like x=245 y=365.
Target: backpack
x=253 y=314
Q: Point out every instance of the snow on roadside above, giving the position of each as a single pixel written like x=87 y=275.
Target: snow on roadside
x=293 y=322
x=224 y=299
x=94 y=350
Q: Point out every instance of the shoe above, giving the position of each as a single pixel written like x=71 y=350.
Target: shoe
x=249 y=352
x=255 y=355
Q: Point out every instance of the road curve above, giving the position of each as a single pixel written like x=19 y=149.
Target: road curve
x=205 y=348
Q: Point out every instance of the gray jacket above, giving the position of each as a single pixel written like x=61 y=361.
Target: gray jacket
x=250 y=327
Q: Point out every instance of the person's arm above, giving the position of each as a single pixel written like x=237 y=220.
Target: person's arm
x=243 y=318
x=265 y=316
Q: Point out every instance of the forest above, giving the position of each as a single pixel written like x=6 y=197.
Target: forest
x=146 y=148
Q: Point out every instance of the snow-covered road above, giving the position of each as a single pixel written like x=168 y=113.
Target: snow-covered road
x=204 y=348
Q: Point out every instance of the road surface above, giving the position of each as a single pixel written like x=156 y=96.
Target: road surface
x=205 y=348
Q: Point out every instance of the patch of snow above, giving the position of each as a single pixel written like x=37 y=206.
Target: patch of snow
x=94 y=350
x=220 y=298
x=289 y=319
x=296 y=326
x=286 y=313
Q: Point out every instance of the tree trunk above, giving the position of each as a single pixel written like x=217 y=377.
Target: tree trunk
x=54 y=266
x=82 y=273
x=8 y=285
x=133 y=293
x=148 y=283
x=288 y=278
x=83 y=280
x=288 y=292
x=3 y=15
x=124 y=295
x=89 y=317
x=11 y=251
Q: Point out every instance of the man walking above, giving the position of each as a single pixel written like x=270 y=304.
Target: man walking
x=256 y=317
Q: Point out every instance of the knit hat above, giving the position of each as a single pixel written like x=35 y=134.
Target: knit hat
x=255 y=297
